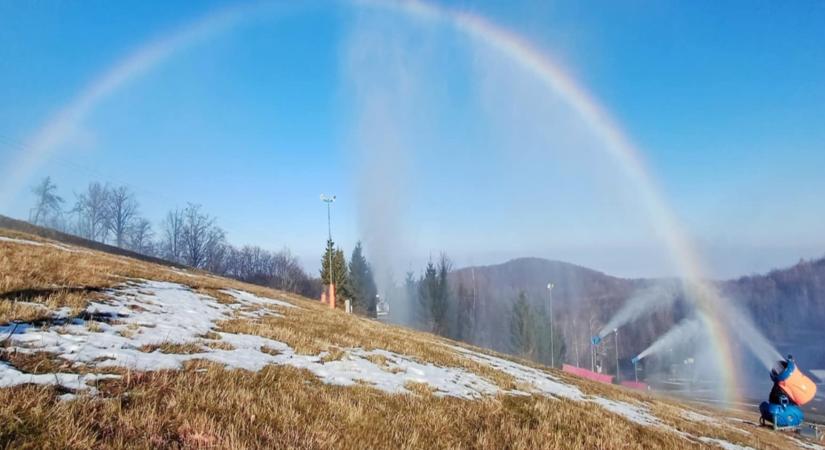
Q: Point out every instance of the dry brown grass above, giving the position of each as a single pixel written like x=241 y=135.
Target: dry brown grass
x=283 y=407
x=270 y=351
x=207 y=406
x=188 y=348
x=334 y=354
x=218 y=345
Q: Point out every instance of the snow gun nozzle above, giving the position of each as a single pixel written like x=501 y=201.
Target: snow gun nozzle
x=596 y=340
x=635 y=360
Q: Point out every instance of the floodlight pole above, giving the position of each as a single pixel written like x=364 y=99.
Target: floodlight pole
x=329 y=201
x=592 y=346
x=550 y=311
x=616 y=335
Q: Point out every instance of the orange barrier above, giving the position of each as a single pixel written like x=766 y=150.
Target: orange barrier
x=589 y=374
x=332 y=296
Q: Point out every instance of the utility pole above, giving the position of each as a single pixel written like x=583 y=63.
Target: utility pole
x=616 y=335
x=576 y=342
x=329 y=201
x=550 y=311
x=592 y=346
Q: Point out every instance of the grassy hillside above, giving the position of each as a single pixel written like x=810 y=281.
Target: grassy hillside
x=107 y=351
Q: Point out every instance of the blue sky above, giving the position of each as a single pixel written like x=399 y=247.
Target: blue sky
x=430 y=138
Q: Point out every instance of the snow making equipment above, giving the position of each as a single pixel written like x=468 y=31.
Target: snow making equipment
x=791 y=389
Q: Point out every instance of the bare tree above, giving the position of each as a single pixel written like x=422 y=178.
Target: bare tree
x=172 y=245
x=280 y=270
x=121 y=211
x=140 y=237
x=90 y=210
x=215 y=251
x=48 y=209
x=287 y=273
x=202 y=240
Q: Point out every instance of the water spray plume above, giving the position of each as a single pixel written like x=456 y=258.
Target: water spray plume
x=750 y=336
x=683 y=332
x=642 y=303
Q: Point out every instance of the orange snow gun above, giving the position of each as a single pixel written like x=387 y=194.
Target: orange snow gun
x=798 y=387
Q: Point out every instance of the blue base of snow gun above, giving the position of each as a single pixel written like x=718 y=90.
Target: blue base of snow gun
x=781 y=416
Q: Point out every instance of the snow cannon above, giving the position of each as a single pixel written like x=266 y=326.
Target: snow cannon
x=795 y=384
x=791 y=389
x=635 y=360
x=596 y=340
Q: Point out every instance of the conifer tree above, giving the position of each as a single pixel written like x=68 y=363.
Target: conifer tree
x=441 y=298
x=339 y=274
x=522 y=327
x=362 y=283
x=427 y=291
x=543 y=341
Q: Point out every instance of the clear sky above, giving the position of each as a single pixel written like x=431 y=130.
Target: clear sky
x=432 y=141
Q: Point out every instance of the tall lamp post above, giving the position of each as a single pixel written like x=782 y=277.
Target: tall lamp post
x=550 y=311
x=592 y=346
x=329 y=201
x=616 y=336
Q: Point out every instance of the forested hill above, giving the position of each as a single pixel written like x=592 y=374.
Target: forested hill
x=788 y=305
x=583 y=300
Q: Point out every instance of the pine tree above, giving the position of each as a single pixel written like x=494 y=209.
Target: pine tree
x=427 y=291
x=362 y=283
x=339 y=275
x=522 y=327
x=407 y=313
x=441 y=298
x=544 y=345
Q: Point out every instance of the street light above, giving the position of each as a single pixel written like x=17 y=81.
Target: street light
x=592 y=346
x=552 y=344
x=616 y=337
x=328 y=201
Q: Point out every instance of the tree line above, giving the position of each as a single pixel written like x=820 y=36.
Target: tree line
x=188 y=235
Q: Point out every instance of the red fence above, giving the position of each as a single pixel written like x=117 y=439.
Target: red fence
x=589 y=374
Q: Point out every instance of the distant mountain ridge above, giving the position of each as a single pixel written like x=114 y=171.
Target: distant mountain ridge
x=788 y=304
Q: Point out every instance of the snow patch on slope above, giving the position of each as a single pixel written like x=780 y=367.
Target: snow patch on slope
x=9 y=376
x=40 y=244
x=543 y=383
x=154 y=313
x=148 y=313
x=724 y=444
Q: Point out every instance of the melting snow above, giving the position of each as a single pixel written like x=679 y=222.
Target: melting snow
x=807 y=445
x=39 y=244
x=546 y=384
x=153 y=313
x=19 y=241
x=724 y=444
x=9 y=376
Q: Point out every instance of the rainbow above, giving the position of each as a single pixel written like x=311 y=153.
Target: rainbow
x=614 y=141
x=618 y=146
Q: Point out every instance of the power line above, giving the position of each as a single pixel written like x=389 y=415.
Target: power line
x=91 y=171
